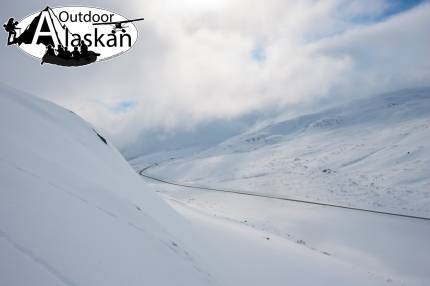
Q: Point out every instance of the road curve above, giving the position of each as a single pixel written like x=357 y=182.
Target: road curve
x=270 y=196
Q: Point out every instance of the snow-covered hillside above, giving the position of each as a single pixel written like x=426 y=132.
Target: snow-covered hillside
x=73 y=212
x=372 y=153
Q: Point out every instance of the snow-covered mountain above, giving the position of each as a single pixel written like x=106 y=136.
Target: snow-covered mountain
x=371 y=153
x=73 y=212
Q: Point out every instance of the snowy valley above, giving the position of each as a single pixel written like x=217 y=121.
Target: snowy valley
x=73 y=212
x=370 y=154
x=215 y=143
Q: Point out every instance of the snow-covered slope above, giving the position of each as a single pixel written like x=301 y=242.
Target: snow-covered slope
x=371 y=153
x=73 y=212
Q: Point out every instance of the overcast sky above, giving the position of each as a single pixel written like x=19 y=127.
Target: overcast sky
x=199 y=62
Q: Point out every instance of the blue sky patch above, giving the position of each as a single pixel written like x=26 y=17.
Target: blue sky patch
x=258 y=54
x=124 y=106
x=393 y=7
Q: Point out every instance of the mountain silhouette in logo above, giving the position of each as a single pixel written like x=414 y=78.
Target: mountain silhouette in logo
x=27 y=36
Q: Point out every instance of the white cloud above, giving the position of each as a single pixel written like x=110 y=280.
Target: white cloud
x=194 y=62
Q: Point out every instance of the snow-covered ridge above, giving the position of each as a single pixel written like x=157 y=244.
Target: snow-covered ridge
x=370 y=153
x=73 y=212
x=383 y=110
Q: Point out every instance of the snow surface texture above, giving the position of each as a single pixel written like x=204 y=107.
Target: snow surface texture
x=73 y=212
x=373 y=153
